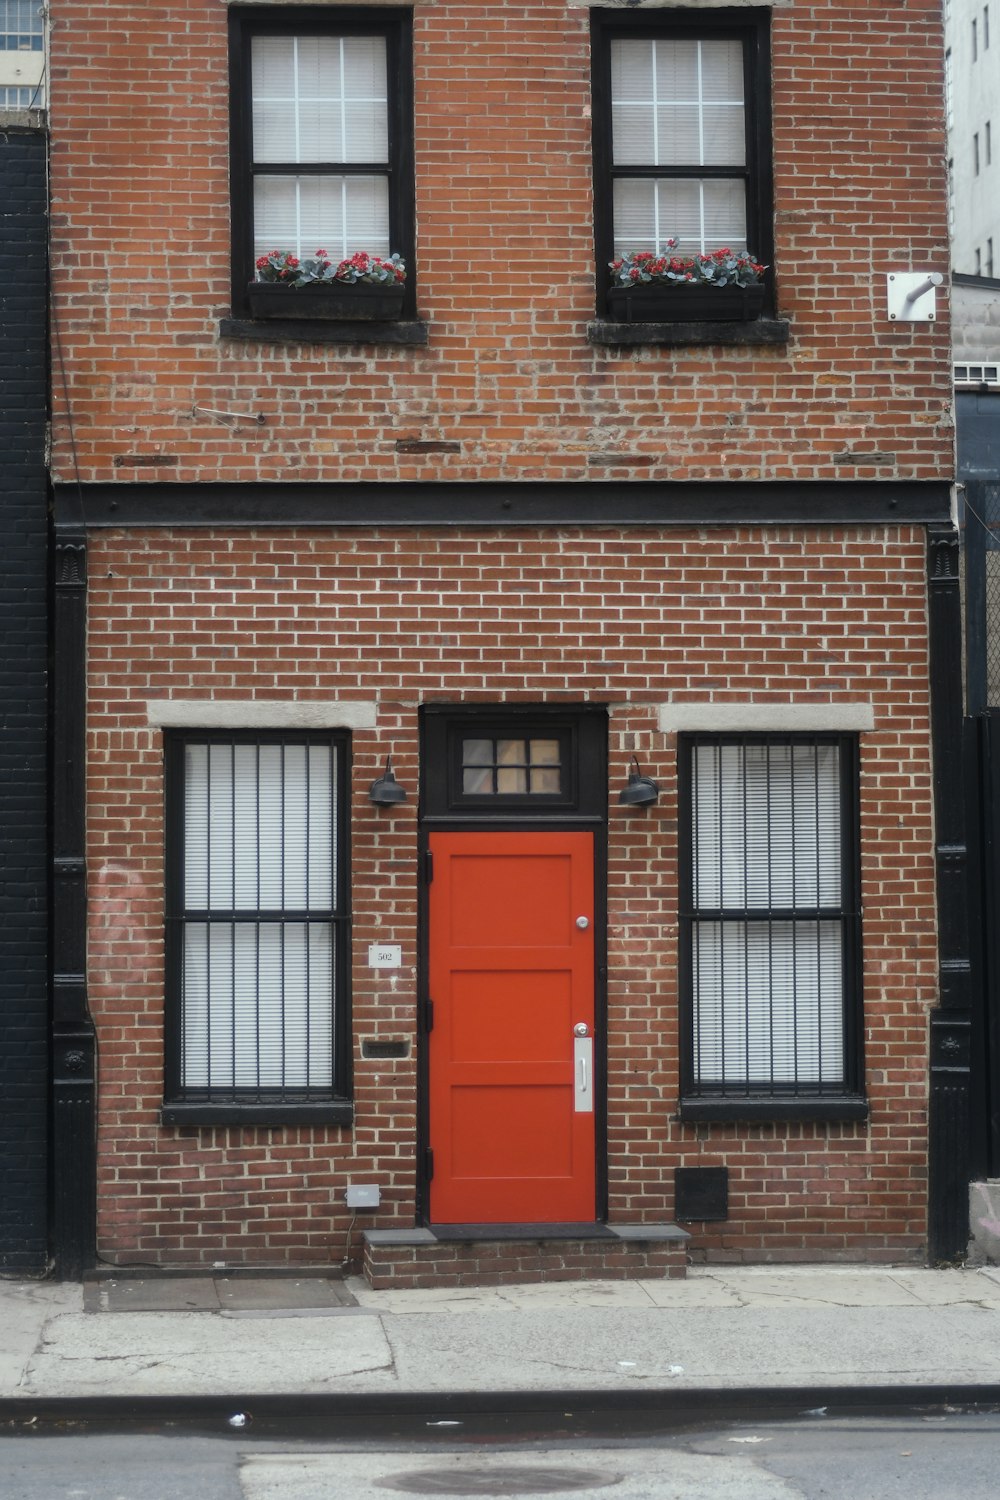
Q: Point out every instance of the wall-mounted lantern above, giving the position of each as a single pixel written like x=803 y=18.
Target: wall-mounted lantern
x=386 y=791
x=640 y=791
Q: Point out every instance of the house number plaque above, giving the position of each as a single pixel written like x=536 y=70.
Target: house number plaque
x=385 y=956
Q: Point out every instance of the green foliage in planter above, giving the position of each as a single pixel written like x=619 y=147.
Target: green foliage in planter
x=282 y=268
x=719 y=268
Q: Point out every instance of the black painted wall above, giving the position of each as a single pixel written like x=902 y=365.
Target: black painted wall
x=23 y=713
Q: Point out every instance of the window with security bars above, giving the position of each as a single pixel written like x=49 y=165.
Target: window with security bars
x=256 y=919
x=769 y=915
x=681 y=143
x=322 y=135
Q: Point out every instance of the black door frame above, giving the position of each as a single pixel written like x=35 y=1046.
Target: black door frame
x=583 y=809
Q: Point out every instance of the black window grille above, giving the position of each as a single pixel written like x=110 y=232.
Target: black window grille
x=322 y=136
x=682 y=134
x=257 y=919
x=769 y=920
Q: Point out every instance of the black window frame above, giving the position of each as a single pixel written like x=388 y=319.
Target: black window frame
x=213 y=1105
x=844 y=1099
x=582 y=736
x=396 y=25
x=751 y=27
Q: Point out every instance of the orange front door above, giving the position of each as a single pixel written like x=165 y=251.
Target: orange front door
x=511 y=980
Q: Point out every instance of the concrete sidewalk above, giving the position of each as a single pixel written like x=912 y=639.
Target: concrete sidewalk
x=720 y=1330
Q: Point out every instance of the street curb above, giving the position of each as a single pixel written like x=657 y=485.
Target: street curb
x=460 y=1415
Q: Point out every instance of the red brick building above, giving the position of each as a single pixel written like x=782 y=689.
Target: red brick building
x=528 y=541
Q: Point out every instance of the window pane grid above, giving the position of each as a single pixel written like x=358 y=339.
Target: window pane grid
x=767 y=926
x=320 y=145
x=511 y=767
x=21 y=26
x=260 y=936
x=678 y=106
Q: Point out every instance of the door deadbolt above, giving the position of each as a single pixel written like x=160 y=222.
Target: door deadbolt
x=581 y=1029
x=583 y=923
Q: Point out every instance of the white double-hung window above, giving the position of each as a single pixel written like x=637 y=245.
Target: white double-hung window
x=321 y=135
x=682 y=134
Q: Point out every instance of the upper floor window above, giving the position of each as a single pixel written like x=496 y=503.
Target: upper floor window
x=322 y=126
x=681 y=134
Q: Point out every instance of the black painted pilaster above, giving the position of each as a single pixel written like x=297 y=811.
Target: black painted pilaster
x=73 y=1043
x=24 y=643
x=951 y=1023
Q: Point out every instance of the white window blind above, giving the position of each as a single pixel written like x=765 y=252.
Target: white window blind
x=322 y=103
x=767 y=940
x=258 y=894
x=678 y=104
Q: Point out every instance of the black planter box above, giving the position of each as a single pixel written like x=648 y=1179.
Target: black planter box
x=341 y=304
x=685 y=304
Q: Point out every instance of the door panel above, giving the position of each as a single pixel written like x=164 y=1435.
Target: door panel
x=511 y=974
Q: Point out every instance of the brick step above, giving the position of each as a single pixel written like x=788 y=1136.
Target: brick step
x=490 y=1255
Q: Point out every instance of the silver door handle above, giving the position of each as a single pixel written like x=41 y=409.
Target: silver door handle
x=583 y=1057
x=583 y=923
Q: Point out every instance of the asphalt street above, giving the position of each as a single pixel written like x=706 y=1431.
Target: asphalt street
x=944 y=1456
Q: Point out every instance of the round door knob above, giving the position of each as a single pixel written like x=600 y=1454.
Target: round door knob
x=581 y=1029
x=583 y=923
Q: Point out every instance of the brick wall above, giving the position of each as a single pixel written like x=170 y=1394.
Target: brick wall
x=23 y=644
x=816 y=614
x=505 y=261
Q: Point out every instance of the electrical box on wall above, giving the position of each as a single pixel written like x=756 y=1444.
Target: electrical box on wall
x=362 y=1195
x=701 y=1193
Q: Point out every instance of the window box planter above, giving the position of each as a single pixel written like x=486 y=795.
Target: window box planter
x=688 y=304
x=360 y=302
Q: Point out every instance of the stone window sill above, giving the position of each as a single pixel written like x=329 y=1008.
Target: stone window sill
x=335 y=1112
x=762 y=332
x=406 y=333
x=767 y=1110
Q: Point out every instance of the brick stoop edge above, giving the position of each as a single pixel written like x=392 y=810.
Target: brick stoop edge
x=398 y=1258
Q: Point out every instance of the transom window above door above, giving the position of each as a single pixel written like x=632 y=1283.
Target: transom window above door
x=508 y=762
x=512 y=767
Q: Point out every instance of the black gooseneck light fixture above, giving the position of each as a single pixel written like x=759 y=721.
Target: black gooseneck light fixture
x=386 y=791
x=641 y=791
